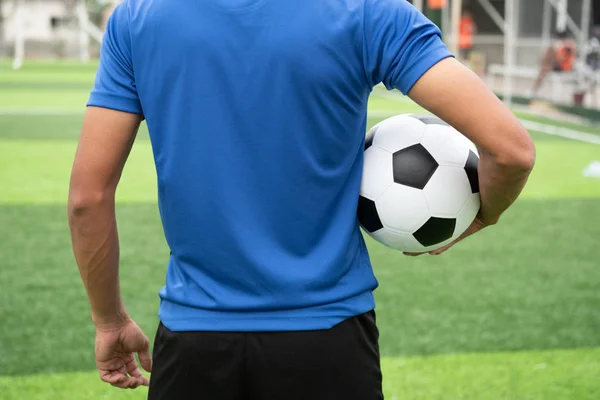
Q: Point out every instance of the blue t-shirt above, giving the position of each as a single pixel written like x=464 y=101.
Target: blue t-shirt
x=257 y=112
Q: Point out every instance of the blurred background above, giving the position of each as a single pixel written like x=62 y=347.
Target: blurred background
x=503 y=40
x=511 y=314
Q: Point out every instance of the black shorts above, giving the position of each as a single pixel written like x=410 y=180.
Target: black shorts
x=341 y=363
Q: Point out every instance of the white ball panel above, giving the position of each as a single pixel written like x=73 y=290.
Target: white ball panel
x=397 y=240
x=402 y=208
x=469 y=144
x=446 y=145
x=447 y=191
x=399 y=132
x=467 y=214
x=378 y=173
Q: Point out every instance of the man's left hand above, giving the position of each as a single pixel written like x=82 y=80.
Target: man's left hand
x=115 y=359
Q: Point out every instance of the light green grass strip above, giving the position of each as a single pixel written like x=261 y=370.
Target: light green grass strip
x=18 y=98
x=543 y=375
x=40 y=111
x=533 y=375
x=37 y=172
x=558 y=172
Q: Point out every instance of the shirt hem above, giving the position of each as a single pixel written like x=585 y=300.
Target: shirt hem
x=423 y=66
x=276 y=321
x=117 y=103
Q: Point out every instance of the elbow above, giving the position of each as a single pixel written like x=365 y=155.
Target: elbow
x=520 y=155
x=82 y=202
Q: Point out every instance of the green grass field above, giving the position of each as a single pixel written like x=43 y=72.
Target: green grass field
x=511 y=314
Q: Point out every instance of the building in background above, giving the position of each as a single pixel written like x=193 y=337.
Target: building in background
x=48 y=26
x=530 y=24
x=52 y=28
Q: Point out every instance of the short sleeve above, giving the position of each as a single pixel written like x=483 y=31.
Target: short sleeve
x=400 y=44
x=115 y=86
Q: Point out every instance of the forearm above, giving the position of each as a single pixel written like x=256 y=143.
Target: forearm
x=500 y=185
x=96 y=247
x=460 y=98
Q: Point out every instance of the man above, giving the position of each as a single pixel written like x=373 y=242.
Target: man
x=257 y=113
x=559 y=57
x=592 y=50
x=466 y=35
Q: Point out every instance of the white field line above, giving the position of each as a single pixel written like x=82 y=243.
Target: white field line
x=562 y=132
x=531 y=125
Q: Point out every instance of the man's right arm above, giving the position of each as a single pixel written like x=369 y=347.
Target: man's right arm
x=404 y=51
x=507 y=154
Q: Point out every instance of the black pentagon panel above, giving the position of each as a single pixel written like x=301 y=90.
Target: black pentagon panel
x=435 y=231
x=471 y=170
x=430 y=120
x=413 y=166
x=370 y=136
x=367 y=215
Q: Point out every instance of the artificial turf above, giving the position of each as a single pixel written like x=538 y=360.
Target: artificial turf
x=512 y=313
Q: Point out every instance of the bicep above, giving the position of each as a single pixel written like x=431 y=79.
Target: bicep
x=455 y=94
x=104 y=145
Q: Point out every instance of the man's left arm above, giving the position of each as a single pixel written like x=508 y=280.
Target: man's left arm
x=104 y=145
x=106 y=140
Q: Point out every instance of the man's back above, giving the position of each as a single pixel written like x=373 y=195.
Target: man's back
x=257 y=110
x=257 y=113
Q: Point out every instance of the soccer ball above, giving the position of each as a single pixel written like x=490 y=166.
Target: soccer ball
x=420 y=187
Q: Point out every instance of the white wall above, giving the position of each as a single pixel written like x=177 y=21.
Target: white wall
x=38 y=15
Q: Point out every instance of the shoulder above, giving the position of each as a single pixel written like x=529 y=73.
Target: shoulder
x=398 y=15
x=386 y=6
x=119 y=16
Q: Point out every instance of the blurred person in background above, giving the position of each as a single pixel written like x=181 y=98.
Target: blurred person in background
x=466 y=35
x=560 y=57
x=592 y=50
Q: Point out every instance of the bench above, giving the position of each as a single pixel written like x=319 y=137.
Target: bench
x=556 y=79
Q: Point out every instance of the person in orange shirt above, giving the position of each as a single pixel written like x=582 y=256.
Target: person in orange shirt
x=466 y=34
x=558 y=58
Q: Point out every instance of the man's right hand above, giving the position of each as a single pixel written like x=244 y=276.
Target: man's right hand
x=477 y=225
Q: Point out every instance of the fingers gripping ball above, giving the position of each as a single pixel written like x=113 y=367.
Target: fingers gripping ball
x=420 y=188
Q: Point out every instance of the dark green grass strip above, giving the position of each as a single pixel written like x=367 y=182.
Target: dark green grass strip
x=68 y=126
x=45 y=318
x=35 y=127
x=530 y=283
